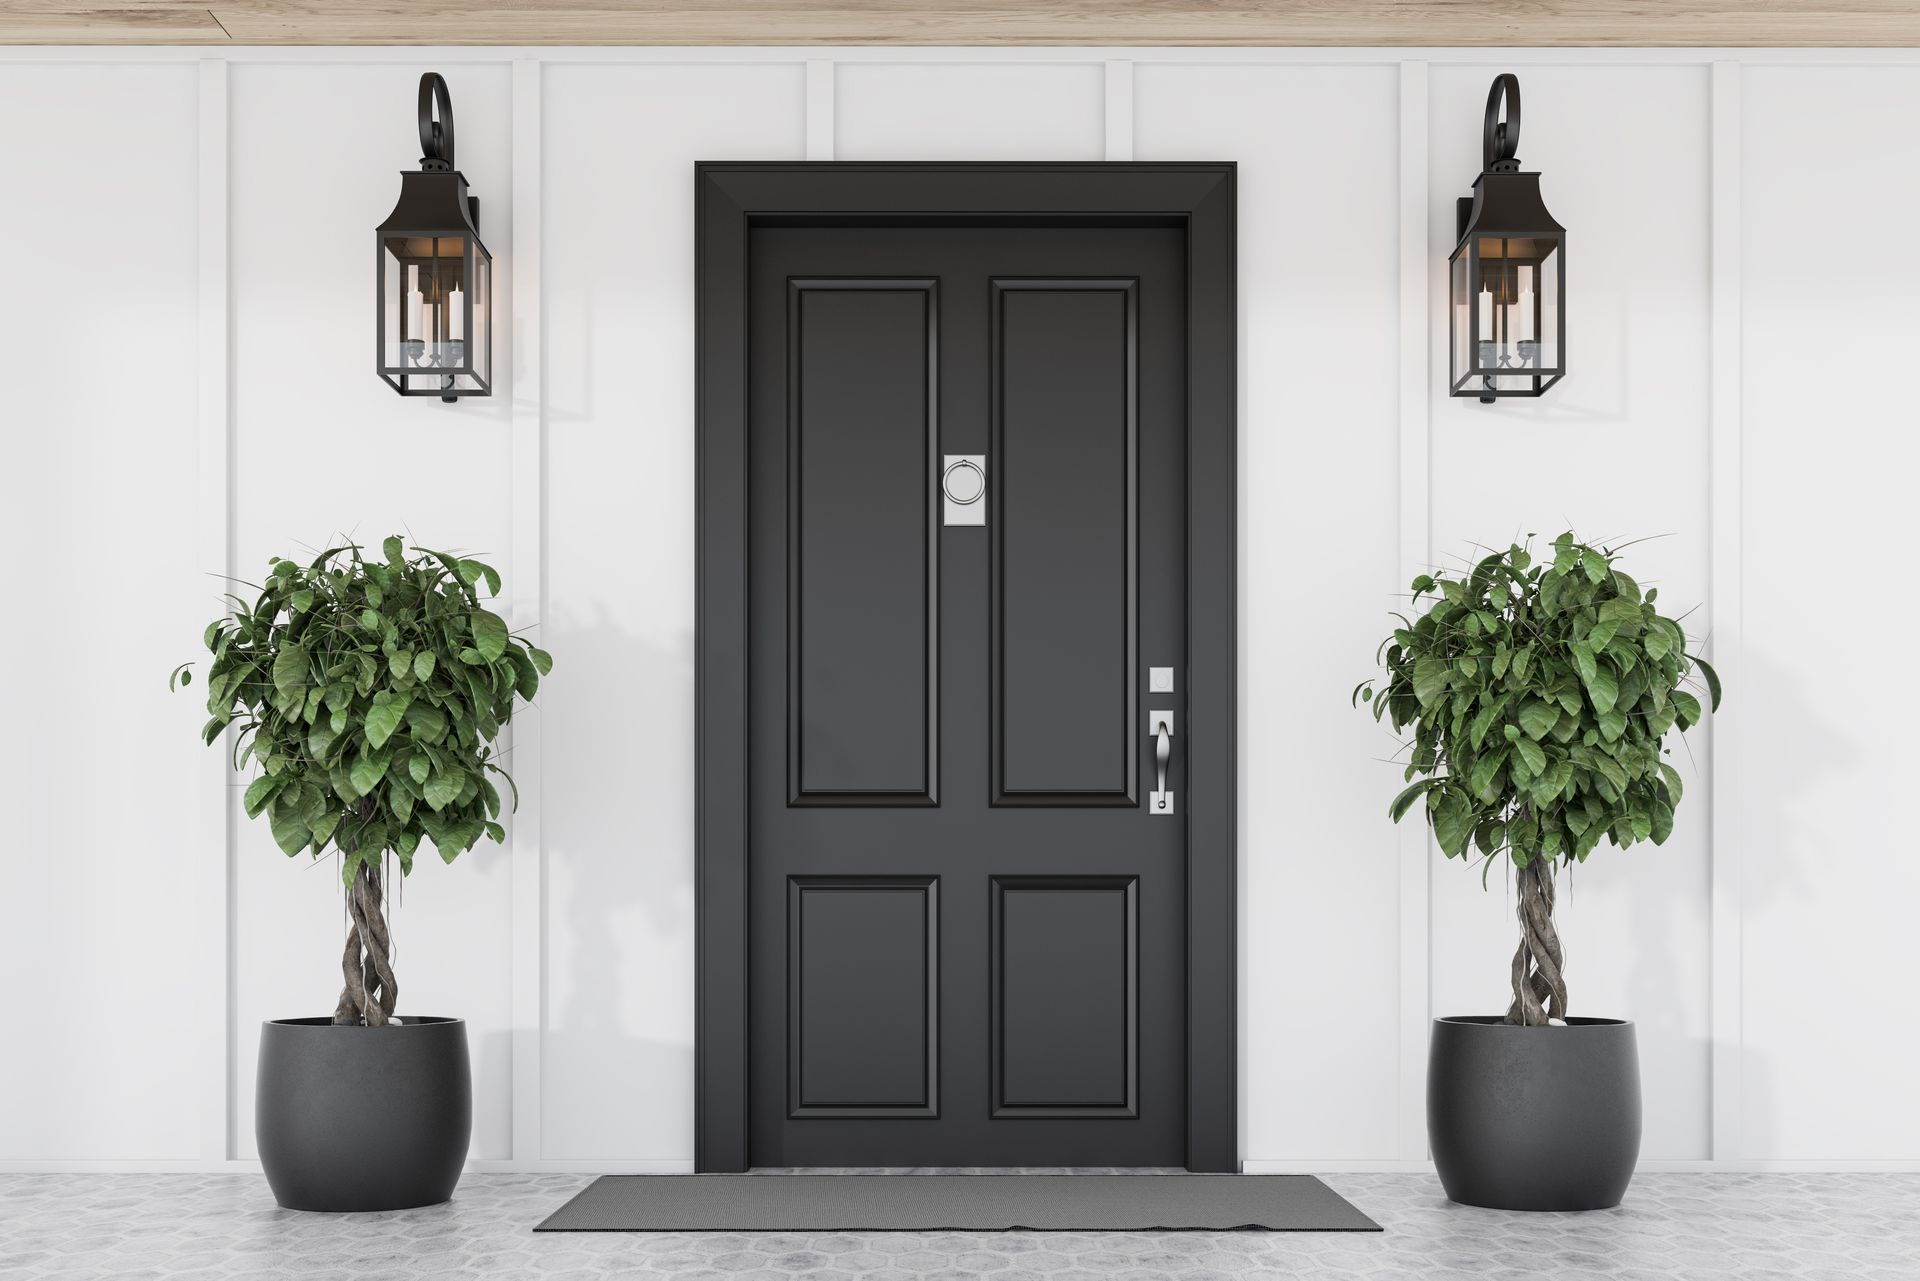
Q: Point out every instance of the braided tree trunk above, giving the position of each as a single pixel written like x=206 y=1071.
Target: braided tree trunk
x=1539 y=987
x=370 y=992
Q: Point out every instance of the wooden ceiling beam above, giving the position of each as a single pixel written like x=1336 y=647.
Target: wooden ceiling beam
x=1360 y=23
x=32 y=22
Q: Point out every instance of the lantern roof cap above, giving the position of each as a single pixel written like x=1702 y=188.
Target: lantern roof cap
x=434 y=200
x=1508 y=203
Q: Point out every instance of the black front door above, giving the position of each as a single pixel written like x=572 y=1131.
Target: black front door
x=967 y=559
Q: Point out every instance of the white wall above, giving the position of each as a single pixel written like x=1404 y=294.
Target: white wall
x=211 y=225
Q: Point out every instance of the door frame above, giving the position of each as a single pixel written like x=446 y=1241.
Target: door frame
x=730 y=199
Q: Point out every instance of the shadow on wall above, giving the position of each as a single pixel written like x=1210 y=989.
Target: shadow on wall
x=617 y=1047
x=1788 y=822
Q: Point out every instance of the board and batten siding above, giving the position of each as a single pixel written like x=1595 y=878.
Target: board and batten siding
x=185 y=339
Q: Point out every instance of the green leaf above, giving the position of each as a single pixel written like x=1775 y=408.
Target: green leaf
x=385 y=715
x=1483 y=721
x=1602 y=689
x=1686 y=709
x=1711 y=677
x=1613 y=723
x=1623 y=614
x=1486 y=773
x=289 y=832
x=489 y=634
x=1595 y=565
x=369 y=768
x=423 y=665
x=394 y=551
x=1431 y=676
x=290 y=670
x=428 y=723
x=1583 y=661
x=542 y=661
x=419 y=768
x=1538 y=717
x=1552 y=781
x=1403 y=802
x=259 y=792
x=1453 y=825
x=473 y=569
x=443 y=788
x=526 y=680
x=1671 y=777
x=1531 y=752
x=323 y=829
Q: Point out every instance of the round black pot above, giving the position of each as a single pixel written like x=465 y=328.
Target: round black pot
x=363 y=1118
x=1534 y=1118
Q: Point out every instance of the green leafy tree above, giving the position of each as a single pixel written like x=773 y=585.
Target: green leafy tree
x=369 y=693
x=1538 y=698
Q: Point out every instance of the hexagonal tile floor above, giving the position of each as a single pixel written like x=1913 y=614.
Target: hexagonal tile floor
x=1856 y=1227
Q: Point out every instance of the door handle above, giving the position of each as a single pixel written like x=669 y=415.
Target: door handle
x=1160 y=725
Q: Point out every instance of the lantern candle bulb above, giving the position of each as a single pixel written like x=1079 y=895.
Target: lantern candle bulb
x=1523 y=330
x=456 y=316
x=416 y=305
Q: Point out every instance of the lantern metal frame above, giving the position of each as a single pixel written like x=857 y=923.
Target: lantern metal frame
x=434 y=206
x=1505 y=206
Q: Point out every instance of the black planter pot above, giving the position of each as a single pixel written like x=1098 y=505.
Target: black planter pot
x=363 y=1118
x=1534 y=1118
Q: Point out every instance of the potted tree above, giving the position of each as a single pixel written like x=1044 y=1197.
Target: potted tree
x=369 y=693
x=1537 y=699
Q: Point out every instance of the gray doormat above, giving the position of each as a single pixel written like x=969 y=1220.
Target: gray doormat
x=957 y=1202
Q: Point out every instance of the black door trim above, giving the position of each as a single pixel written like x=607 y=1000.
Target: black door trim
x=731 y=198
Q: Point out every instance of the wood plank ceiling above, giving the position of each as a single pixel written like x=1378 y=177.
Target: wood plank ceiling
x=1510 y=23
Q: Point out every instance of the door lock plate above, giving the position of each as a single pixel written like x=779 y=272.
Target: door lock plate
x=963 y=489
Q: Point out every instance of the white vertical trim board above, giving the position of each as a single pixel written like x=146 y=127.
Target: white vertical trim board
x=1119 y=74
x=528 y=606
x=1724 y=610
x=1416 y=553
x=820 y=77
x=213 y=548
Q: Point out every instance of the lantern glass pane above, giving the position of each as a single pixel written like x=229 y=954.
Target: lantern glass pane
x=1462 y=322
x=427 y=309
x=1516 y=306
x=391 y=337
x=479 y=330
x=1549 y=329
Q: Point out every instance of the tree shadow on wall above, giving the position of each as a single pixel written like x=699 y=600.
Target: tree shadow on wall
x=618 y=830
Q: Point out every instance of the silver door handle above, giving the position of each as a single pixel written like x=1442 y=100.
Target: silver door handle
x=1161 y=724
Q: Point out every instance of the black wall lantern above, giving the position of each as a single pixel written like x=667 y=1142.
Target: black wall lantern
x=433 y=309
x=1509 y=271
